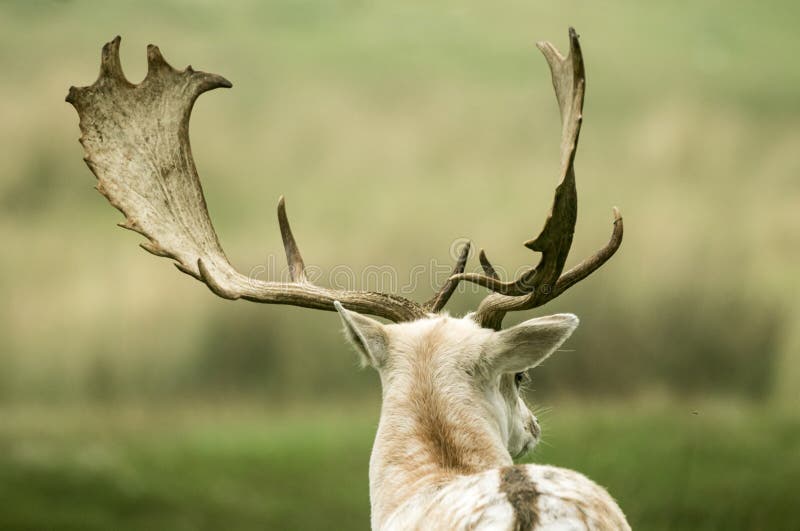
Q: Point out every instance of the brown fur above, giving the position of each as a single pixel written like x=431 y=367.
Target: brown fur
x=451 y=440
x=427 y=435
x=522 y=495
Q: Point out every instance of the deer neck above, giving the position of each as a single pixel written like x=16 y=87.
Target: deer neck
x=428 y=435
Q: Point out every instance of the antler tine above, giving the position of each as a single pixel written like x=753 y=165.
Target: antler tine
x=297 y=268
x=438 y=301
x=487 y=266
x=542 y=283
x=489 y=278
x=591 y=264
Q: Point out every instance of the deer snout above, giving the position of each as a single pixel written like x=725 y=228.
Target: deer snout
x=534 y=428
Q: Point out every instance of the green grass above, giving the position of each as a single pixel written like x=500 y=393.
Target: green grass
x=243 y=468
x=676 y=468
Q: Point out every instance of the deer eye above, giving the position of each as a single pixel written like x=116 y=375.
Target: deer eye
x=519 y=378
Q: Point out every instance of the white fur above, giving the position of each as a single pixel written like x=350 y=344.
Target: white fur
x=567 y=501
x=452 y=419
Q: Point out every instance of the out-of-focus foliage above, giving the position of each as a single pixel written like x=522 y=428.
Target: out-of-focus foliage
x=395 y=129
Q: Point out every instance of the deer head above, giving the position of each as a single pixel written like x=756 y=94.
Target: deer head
x=432 y=368
x=451 y=386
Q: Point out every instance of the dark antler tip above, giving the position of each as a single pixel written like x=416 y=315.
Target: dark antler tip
x=281 y=202
x=109 y=60
x=206 y=81
x=463 y=257
x=154 y=57
x=575 y=50
x=487 y=266
x=111 y=45
x=72 y=95
x=533 y=245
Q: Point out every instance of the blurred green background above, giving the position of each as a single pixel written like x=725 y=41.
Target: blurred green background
x=131 y=398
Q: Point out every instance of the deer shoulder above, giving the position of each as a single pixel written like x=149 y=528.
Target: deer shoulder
x=518 y=497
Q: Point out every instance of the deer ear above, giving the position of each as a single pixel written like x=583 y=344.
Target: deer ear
x=530 y=343
x=367 y=335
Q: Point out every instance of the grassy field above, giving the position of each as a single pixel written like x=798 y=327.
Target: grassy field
x=671 y=467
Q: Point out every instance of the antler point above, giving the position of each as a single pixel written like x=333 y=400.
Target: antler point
x=72 y=95
x=155 y=60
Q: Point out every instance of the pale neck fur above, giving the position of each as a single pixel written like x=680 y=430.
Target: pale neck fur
x=429 y=432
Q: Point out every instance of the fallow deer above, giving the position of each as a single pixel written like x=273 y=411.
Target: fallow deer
x=452 y=418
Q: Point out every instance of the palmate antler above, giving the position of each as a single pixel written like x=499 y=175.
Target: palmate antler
x=544 y=282
x=136 y=139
